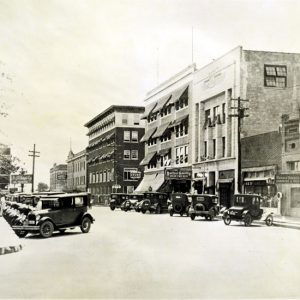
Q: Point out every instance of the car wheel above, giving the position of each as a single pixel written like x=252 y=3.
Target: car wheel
x=269 y=220
x=112 y=208
x=158 y=210
x=187 y=210
x=21 y=233
x=181 y=213
x=143 y=211
x=247 y=220
x=227 y=220
x=46 y=229
x=85 y=225
x=171 y=212
x=193 y=217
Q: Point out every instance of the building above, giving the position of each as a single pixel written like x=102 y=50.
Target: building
x=76 y=166
x=267 y=80
x=289 y=180
x=58 y=178
x=5 y=166
x=114 y=151
x=167 y=163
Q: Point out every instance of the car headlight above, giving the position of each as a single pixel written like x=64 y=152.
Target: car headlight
x=37 y=218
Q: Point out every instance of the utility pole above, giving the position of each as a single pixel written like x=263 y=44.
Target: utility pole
x=34 y=154
x=239 y=113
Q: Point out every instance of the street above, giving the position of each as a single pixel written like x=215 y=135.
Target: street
x=131 y=255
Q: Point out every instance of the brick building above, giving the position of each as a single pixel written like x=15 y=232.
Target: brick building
x=114 y=151
x=167 y=163
x=76 y=166
x=267 y=80
x=58 y=178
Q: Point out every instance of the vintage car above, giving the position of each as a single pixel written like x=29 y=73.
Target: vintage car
x=132 y=201
x=116 y=200
x=57 y=213
x=180 y=204
x=203 y=205
x=154 y=202
x=246 y=208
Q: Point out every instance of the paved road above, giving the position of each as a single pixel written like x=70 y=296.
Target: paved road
x=131 y=255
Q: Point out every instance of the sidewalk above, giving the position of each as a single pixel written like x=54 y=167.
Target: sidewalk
x=288 y=222
x=9 y=241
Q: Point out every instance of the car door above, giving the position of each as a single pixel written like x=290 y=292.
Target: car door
x=67 y=211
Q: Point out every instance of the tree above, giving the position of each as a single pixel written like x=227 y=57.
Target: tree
x=42 y=187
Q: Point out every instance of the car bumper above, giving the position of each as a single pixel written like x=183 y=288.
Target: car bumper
x=27 y=228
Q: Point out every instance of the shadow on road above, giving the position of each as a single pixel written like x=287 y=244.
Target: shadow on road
x=55 y=235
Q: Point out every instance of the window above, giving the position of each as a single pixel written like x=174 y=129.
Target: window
x=182 y=102
x=78 y=201
x=126 y=155
x=186 y=154
x=224 y=113
x=181 y=130
x=134 y=154
x=97 y=177
x=136 y=120
x=165 y=159
x=104 y=176
x=127 y=174
x=223 y=146
x=207 y=118
x=152 y=142
x=205 y=149
x=275 y=76
x=100 y=177
x=134 y=136
x=181 y=154
x=108 y=175
x=152 y=117
x=293 y=165
x=126 y=136
x=166 y=137
x=124 y=119
x=214 y=148
x=166 y=110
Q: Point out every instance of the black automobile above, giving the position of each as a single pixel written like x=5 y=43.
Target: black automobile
x=132 y=202
x=57 y=213
x=203 y=205
x=154 y=202
x=116 y=200
x=246 y=208
x=180 y=204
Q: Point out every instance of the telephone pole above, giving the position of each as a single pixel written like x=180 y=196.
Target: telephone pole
x=239 y=113
x=33 y=154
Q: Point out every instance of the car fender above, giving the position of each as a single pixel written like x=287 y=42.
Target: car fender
x=43 y=219
x=245 y=212
x=170 y=207
x=89 y=216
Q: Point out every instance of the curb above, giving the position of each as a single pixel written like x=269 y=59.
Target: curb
x=10 y=249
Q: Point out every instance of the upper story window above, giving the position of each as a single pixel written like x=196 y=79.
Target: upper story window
x=124 y=119
x=166 y=110
x=136 y=119
x=207 y=118
x=182 y=154
x=224 y=113
x=166 y=137
x=275 y=76
x=134 y=154
x=182 y=102
x=152 y=142
x=126 y=136
x=126 y=155
x=152 y=117
x=293 y=165
x=181 y=130
x=134 y=136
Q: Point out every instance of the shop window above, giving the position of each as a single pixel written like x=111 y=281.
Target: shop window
x=134 y=136
x=275 y=76
x=127 y=174
x=126 y=155
x=134 y=154
x=126 y=136
x=124 y=119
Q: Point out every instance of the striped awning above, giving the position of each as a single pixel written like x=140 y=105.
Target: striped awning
x=161 y=130
x=147 y=158
x=179 y=121
x=148 y=110
x=148 y=135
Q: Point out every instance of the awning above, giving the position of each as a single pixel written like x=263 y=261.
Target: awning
x=151 y=182
x=161 y=130
x=161 y=103
x=147 y=159
x=225 y=180
x=148 y=110
x=178 y=121
x=163 y=152
x=148 y=134
x=259 y=178
x=178 y=93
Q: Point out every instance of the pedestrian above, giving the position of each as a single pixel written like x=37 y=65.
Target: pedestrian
x=2 y=204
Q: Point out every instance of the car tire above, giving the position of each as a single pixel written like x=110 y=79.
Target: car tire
x=227 y=220
x=269 y=220
x=46 y=229
x=171 y=212
x=187 y=210
x=193 y=217
x=112 y=208
x=158 y=210
x=85 y=225
x=21 y=233
x=247 y=220
x=143 y=211
x=181 y=213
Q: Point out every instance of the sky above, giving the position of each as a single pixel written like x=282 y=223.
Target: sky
x=64 y=61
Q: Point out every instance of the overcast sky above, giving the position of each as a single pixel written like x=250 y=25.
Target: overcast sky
x=62 y=62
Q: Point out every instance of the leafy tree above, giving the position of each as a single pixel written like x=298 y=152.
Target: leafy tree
x=8 y=165
x=42 y=187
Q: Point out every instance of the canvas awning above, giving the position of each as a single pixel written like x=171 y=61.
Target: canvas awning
x=178 y=93
x=161 y=103
x=148 y=134
x=151 y=182
x=178 y=121
x=163 y=152
x=148 y=110
x=147 y=158
x=161 y=130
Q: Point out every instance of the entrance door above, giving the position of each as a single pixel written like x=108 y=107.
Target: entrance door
x=226 y=194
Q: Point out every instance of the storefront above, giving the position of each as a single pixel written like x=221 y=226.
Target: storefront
x=179 y=179
x=225 y=187
x=151 y=182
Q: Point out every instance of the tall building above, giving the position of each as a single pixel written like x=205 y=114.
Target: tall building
x=267 y=80
x=167 y=140
x=5 y=170
x=58 y=178
x=76 y=166
x=114 y=151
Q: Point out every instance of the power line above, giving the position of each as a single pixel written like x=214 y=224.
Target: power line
x=34 y=154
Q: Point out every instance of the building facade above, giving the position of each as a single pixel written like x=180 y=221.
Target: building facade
x=266 y=80
x=5 y=161
x=58 y=178
x=167 y=163
x=76 y=166
x=114 y=151
x=289 y=180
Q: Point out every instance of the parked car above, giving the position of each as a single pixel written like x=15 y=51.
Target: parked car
x=116 y=200
x=203 y=205
x=58 y=213
x=154 y=202
x=246 y=208
x=131 y=202
x=180 y=204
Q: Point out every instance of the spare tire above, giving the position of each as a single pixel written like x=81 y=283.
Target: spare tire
x=199 y=207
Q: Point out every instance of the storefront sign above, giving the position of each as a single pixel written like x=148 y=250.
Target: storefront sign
x=178 y=173
x=255 y=183
x=135 y=175
x=26 y=178
x=287 y=178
